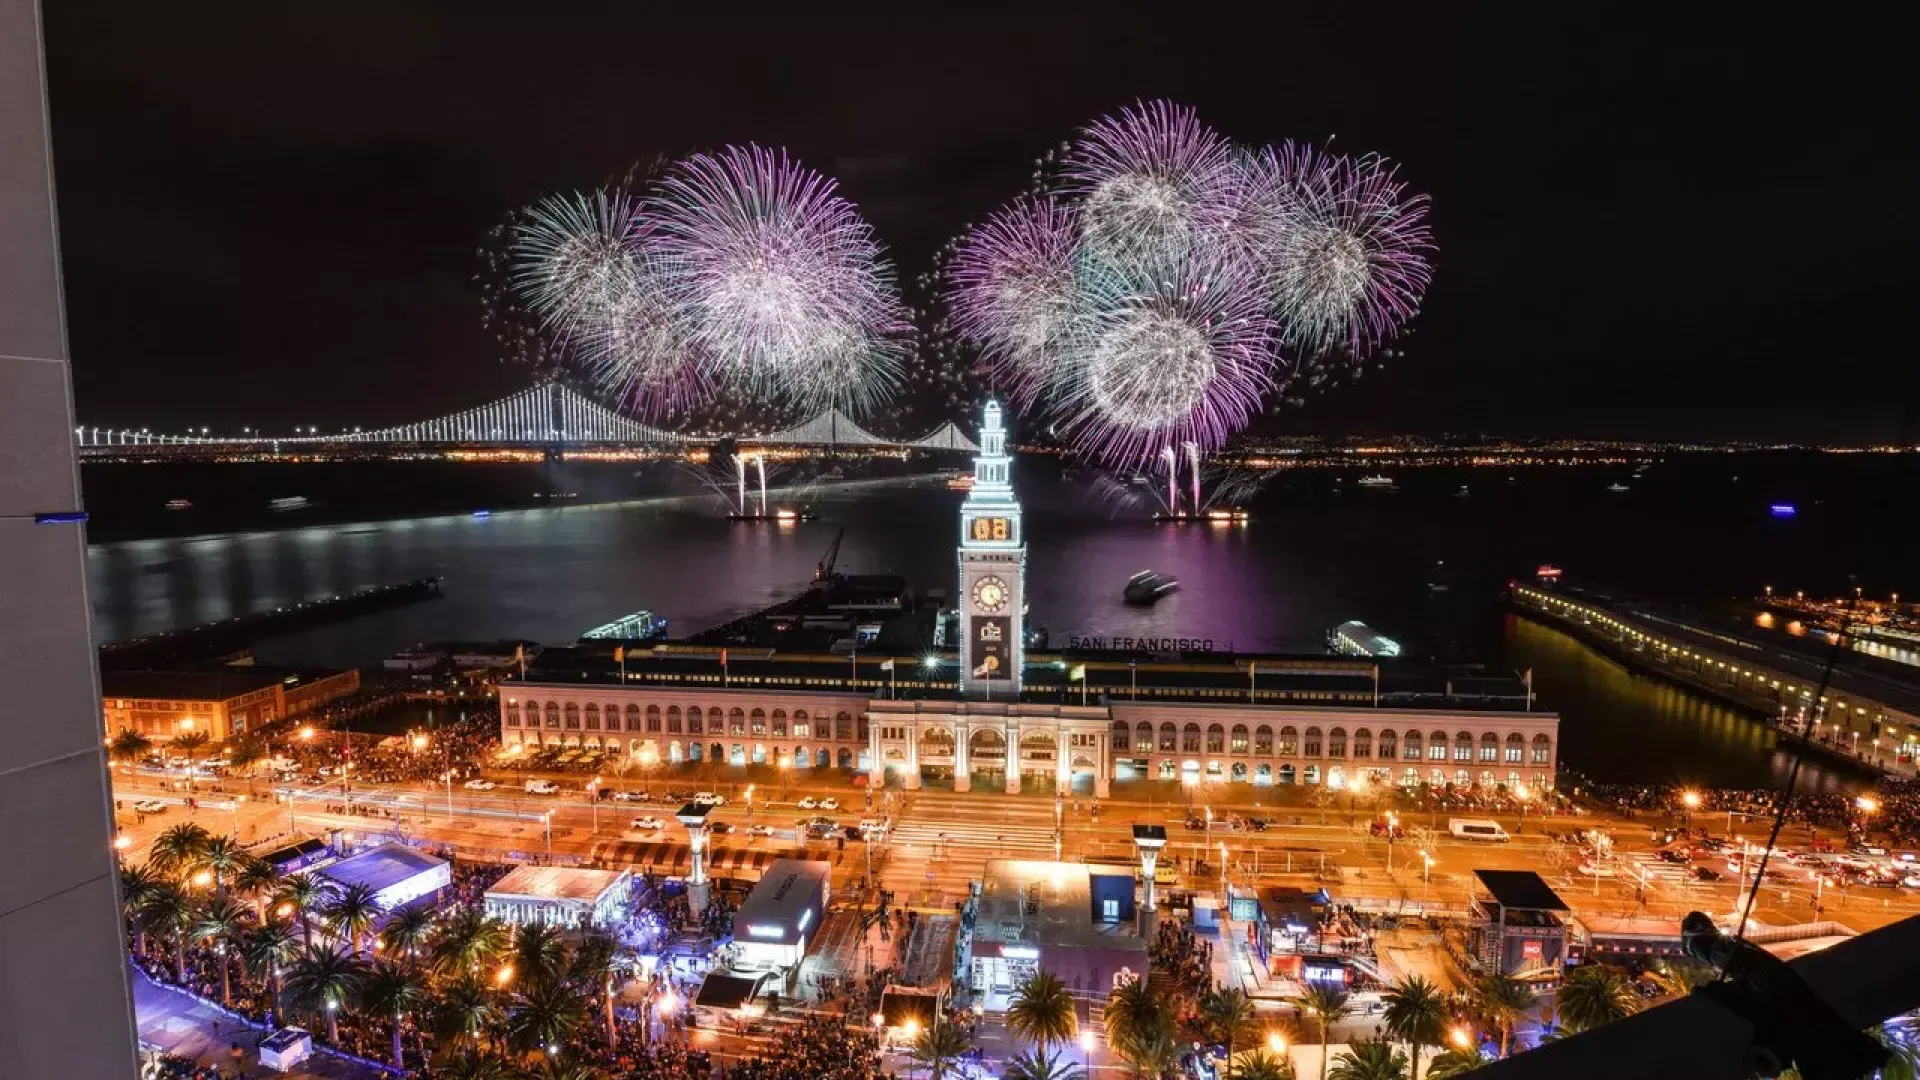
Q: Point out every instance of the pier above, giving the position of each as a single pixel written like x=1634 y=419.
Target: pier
x=233 y=637
x=1864 y=718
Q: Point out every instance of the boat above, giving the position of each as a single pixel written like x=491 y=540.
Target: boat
x=1146 y=588
x=1462 y=492
x=1355 y=638
x=784 y=515
x=1616 y=487
x=1547 y=572
x=1376 y=481
x=635 y=626
x=290 y=502
x=1218 y=515
x=179 y=504
x=960 y=483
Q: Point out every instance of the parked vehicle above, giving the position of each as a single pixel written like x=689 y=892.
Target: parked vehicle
x=829 y=803
x=708 y=798
x=477 y=784
x=630 y=796
x=648 y=824
x=1706 y=873
x=150 y=806
x=542 y=787
x=1477 y=829
x=809 y=803
x=760 y=830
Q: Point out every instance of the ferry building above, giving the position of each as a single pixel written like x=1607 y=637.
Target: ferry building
x=985 y=712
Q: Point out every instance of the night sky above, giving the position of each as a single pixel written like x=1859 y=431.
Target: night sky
x=270 y=214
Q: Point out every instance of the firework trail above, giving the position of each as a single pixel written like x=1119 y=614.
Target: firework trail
x=786 y=296
x=1150 y=180
x=1013 y=289
x=577 y=254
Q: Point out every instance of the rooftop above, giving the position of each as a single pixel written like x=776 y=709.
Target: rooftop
x=557 y=883
x=787 y=886
x=223 y=684
x=1051 y=903
x=1521 y=889
x=380 y=868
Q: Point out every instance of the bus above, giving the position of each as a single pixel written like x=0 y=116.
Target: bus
x=1477 y=829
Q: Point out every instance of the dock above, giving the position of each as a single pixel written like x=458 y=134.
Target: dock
x=225 y=639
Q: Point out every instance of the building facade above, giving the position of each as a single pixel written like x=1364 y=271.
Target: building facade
x=223 y=704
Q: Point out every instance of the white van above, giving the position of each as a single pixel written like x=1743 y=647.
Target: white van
x=1477 y=829
x=542 y=787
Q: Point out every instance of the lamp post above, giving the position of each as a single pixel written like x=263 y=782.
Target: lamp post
x=1689 y=802
x=786 y=771
x=593 y=801
x=1086 y=1051
x=1426 y=872
x=1393 y=826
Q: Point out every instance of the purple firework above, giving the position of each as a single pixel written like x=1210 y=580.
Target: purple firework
x=1012 y=289
x=1166 y=359
x=1350 y=266
x=784 y=291
x=1149 y=179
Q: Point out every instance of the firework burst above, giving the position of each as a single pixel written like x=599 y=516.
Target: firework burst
x=786 y=296
x=577 y=254
x=1013 y=289
x=1149 y=180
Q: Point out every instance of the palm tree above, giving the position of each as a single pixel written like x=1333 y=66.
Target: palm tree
x=405 y=933
x=476 y=1066
x=1037 y=1064
x=350 y=912
x=1229 y=1014
x=546 y=1014
x=466 y=941
x=539 y=951
x=1327 y=1004
x=256 y=879
x=1903 y=1062
x=1453 y=1062
x=268 y=949
x=1261 y=1065
x=466 y=1013
x=189 y=744
x=1371 y=1060
x=1677 y=977
x=301 y=895
x=169 y=910
x=129 y=746
x=1042 y=1011
x=1504 y=1000
x=395 y=991
x=567 y=1067
x=1415 y=1013
x=224 y=923
x=1595 y=994
x=321 y=982
x=938 y=1045
x=597 y=961
x=178 y=847
x=242 y=754
x=137 y=884
x=1132 y=1015
x=1155 y=1052
x=222 y=856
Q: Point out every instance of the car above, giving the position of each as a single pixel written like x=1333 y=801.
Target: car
x=708 y=798
x=719 y=828
x=760 y=830
x=829 y=803
x=872 y=826
x=477 y=784
x=630 y=796
x=809 y=803
x=1669 y=855
x=1594 y=869
x=150 y=806
x=1706 y=873
x=542 y=787
x=1260 y=824
x=648 y=824
x=1911 y=881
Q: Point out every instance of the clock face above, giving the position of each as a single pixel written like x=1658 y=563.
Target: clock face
x=990 y=594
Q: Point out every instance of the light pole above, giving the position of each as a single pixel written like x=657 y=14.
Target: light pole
x=1689 y=802
x=593 y=800
x=786 y=771
x=1086 y=1051
x=547 y=818
x=1393 y=826
x=1426 y=872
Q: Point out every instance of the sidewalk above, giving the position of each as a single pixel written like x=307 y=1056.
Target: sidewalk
x=177 y=1023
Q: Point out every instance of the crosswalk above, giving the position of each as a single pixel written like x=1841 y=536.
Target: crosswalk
x=992 y=835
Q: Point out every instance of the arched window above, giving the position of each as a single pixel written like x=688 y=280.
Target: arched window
x=1263 y=741
x=693 y=720
x=553 y=714
x=1143 y=737
x=1289 y=743
x=1462 y=778
x=573 y=716
x=1169 y=738
x=513 y=714
x=779 y=721
x=1312 y=747
x=593 y=716
x=1542 y=750
x=1362 y=743
x=1310 y=774
x=1122 y=734
x=1190 y=739
x=1413 y=746
x=674 y=722
x=737 y=721
x=1216 y=739
x=1463 y=746
x=1389 y=744
x=843 y=725
x=1437 y=746
x=1239 y=773
x=1516 y=748
x=1337 y=742
x=759 y=725
x=1238 y=742
x=1286 y=774
x=653 y=718
x=1489 y=747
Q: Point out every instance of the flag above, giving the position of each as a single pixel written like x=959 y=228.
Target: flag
x=1077 y=673
x=619 y=654
x=887 y=666
x=723 y=658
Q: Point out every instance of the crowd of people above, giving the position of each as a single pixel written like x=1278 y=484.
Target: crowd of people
x=818 y=1048
x=1894 y=814
x=1182 y=958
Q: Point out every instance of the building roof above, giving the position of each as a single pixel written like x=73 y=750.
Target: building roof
x=726 y=990
x=224 y=684
x=1520 y=889
x=1032 y=902
x=380 y=868
x=299 y=849
x=786 y=888
x=898 y=1004
x=558 y=883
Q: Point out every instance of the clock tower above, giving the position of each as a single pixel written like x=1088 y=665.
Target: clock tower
x=993 y=571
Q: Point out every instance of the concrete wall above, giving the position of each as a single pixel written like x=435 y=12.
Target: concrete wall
x=65 y=1008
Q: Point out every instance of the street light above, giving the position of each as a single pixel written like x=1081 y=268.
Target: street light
x=1461 y=1038
x=1426 y=872
x=1276 y=1042
x=1690 y=800
x=1086 y=1051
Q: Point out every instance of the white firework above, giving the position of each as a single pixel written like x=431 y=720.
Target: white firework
x=1148 y=181
x=1014 y=290
x=576 y=254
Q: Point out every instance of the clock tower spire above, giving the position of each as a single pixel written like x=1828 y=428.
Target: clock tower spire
x=993 y=571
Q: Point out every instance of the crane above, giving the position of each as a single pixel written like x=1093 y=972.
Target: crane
x=824 y=571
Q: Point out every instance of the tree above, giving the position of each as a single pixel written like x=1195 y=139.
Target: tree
x=268 y=949
x=189 y=744
x=597 y=961
x=1037 y=1064
x=1595 y=994
x=1132 y=1015
x=1415 y=1013
x=1371 y=1060
x=1504 y=1001
x=466 y=942
x=1904 y=1062
x=1453 y=1062
x=474 y=1065
x=1327 y=1004
x=395 y=992
x=1679 y=976
x=1229 y=1014
x=302 y=895
x=466 y=1013
x=256 y=879
x=350 y=912
x=169 y=910
x=565 y=1067
x=321 y=982
x=546 y=1014
x=177 y=849
x=937 y=1046
x=224 y=923
x=539 y=951
x=1042 y=1011
x=129 y=746
x=222 y=856
x=405 y=933
x=137 y=884
x=1261 y=1065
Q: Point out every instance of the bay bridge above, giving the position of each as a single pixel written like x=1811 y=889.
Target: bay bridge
x=544 y=415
